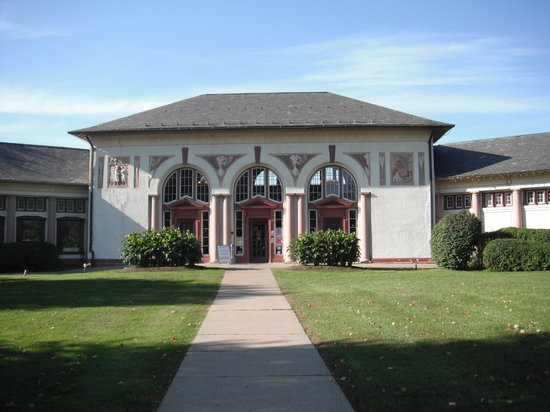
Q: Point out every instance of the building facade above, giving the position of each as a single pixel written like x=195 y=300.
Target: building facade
x=254 y=171
x=44 y=197
x=505 y=181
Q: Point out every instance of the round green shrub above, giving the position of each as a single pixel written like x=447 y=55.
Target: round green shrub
x=516 y=254
x=166 y=247
x=454 y=240
x=32 y=256
x=329 y=247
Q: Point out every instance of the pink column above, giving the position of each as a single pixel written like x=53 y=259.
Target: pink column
x=289 y=224
x=438 y=207
x=51 y=223
x=301 y=213
x=226 y=223
x=364 y=223
x=214 y=229
x=517 y=205
x=154 y=211
x=11 y=236
x=476 y=204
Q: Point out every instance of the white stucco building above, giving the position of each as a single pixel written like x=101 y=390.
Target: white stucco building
x=256 y=170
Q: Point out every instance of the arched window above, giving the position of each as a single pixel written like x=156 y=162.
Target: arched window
x=332 y=181
x=258 y=182
x=186 y=183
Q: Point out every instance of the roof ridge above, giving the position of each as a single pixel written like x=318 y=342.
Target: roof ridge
x=493 y=138
x=42 y=145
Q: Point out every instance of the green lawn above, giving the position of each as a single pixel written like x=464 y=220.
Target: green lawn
x=97 y=341
x=429 y=339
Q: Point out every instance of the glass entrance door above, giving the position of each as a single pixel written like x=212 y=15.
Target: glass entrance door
x=258 y=241
x=187 y=225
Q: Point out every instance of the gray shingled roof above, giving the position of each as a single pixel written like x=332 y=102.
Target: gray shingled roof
x=264 y=110
x=506 y=155
x=43 y=164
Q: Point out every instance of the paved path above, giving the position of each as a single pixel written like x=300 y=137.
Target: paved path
x=251 y=354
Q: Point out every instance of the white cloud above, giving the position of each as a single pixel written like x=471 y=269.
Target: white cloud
x=19 y=100
x=18 y=31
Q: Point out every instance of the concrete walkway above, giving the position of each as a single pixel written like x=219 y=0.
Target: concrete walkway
x=252 y=354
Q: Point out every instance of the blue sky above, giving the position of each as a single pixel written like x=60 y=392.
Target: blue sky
x=482 y=65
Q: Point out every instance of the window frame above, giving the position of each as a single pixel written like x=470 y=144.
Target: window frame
x=61 y=231
x=246 y=189
x=19 y=229
x=173 y=186
x=317 y=188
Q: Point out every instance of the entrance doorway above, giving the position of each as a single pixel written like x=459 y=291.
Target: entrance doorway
x=258 y=241
x=187 y=225
x=334 y=223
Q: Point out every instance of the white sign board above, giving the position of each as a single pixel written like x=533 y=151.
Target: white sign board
x=224 y=253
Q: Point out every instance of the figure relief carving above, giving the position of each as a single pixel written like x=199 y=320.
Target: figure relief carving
x=364 y=160
x=118 y=171
x=154 y=164
x=221 y=163
x=295 y=161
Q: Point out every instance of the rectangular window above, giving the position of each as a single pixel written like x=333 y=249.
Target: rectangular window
x=186 y=183
x=258 y=182
x=278 y=232
x=205 y=232
x=540 y=197
x=239 y=230
x=202 y=188
x=70 y=235
x=353 y=221
x=2 y=202
x=21 y=203
x=40 y=205
x=508 y=199
x=61 y=205
x=70 y=205
x=467 y=201
x=498 y=199
x=449 y=202
x=315 y=187
x=30 y=229
x=80 y=206
x=332 y=181
x=312 y=220
x=167 y=219
x=458 y=202
x=530 y=197
x=488 y=200
x=30 y=204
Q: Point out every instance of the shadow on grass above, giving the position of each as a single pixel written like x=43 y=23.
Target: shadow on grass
x=511 y=373
x=118 y=376
x=95 y=292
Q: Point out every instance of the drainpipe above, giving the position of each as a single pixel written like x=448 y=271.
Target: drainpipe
x=90 y=198
x=432 y=180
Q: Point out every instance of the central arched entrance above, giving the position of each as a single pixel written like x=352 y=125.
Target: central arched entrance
x=258 y=216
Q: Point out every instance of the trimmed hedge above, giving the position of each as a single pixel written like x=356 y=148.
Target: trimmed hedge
x=535 y=235
x=454 y=240
x=34 y=256
x=166 y=247
x=516 y=255
x=329 y=247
